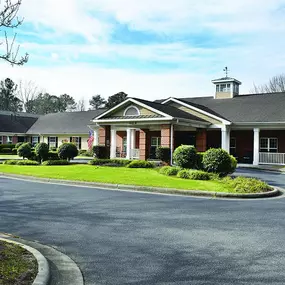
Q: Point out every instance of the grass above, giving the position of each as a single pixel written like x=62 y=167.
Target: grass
x=17 y=266
x=9 y=156
x=115 y=175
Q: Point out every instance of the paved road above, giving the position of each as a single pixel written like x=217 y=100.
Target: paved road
x=143 y=239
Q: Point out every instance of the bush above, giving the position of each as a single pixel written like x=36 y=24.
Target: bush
x=217 y=160
x=87 y=153
x=25 y=151
x=52 y=156
x=53 y=149
x=199 y=164
x=185 y=156
x=110 y=162
x=10 y=146
x=233 y=164
x=18 y=144
x=42 y=151
x=140 y=164
x=247 y=185
x=199 y=175
x=163 y=153
x=67 y=151
x=27 y=162
x=6 y=150
x=100 y=152
x=185 y=174
x=55 y=162
x=14 y=151
x=10 y=162
x=169 y=170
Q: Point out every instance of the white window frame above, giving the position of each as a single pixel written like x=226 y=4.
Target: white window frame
x=158 y=141
x=8 y=141
x=52 y=144
x=76 y=142
x=38 y=140
x=268 y=148
x=132 y=107
x=233 y=148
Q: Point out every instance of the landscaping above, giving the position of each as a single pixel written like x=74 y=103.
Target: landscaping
x=17 y=265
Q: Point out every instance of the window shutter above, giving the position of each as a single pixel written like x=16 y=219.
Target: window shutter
x=79 y=142
x=48 y=141
x=70 y=140
x=56 y=144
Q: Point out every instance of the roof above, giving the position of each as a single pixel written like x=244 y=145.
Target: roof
x=169 y=110
x=226 y=79
x=253 y=108
x=65 y=123
x=18 y=123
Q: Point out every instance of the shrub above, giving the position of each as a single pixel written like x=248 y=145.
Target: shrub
x=100 y=152
x=163 y=153
x=52 y=156
x=14 y=151
x=185 y=174
x=87 y=153
x=199 y=175
x=10 y=162
x=109 y=162
x=185 y=156
x=6 y=150
x=169 y=170
x=42 y=151
x=10 y=146
x=55 y=162
x=67 y=151
x=27 y=162
x=140 y=164
x=18 y=144
x=25 y=151
x=217 y=160
x=233 y=164
x=199 y=164
x=247 y=185
x=53 y=149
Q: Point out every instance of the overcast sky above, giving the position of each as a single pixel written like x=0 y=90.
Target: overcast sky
x=148 y=49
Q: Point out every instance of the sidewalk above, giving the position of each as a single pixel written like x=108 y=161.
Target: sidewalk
x=276 y=168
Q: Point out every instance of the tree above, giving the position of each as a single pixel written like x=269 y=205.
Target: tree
x=8 y=99
x=81 y=105
x=275 y=84
x=116 y=99
x=97 y=102
x=27 y=91
x=9 y=20
x=66 y=103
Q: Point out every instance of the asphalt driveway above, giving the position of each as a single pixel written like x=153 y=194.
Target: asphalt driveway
x=135 y=238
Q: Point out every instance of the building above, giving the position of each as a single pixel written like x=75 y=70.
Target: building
x=251 y=127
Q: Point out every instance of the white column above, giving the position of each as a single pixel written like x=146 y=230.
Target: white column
x=133 y=139
x=226 y=138
x=96 y=137
x=129 y=142
x=256 y=146
x=113 y=145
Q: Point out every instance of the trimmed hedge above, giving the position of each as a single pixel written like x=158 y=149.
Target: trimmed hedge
x=140 y=164
x=110 y=162
x=21 y=162
x=25 y=151
x=217 y=160
x=100 y=152
x=83 y=152
x=169 y=170
x=185 y=156
x=55 y=162
x=184 y=174
x=52 y=156
x=42 y=151
x=163 y=153
x=67 y=151
x=199 y=175
x=10 y=146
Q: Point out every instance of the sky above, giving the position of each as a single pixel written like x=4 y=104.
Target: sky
x=148 y=49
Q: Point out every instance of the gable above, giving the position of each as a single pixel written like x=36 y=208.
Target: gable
x=195 y=113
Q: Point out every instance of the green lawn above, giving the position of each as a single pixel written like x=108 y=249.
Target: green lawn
x=115 y=175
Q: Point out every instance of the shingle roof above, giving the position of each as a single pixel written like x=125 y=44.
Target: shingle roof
x=253 y=108
x=17 y=123
x=169 y=110
x=65 y=123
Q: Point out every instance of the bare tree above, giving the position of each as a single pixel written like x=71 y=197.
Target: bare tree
x=275 y=84
x=81 y=106
x=27 y=91
x=9 y=20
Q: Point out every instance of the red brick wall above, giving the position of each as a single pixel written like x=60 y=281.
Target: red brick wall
x=201 y=140
x=165 y=135
x=143 y=141
x=15 y=140
x=102 y=136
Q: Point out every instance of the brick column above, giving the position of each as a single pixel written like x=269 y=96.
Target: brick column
x=102 y=136
x=143 y=144
x=201 y=140
x=165 y=136
x=105 y=137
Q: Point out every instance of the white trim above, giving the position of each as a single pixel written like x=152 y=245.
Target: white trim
x=135 y=102
x=226 y=122
x=130 y=107
x=256 y=145
x=133 y=120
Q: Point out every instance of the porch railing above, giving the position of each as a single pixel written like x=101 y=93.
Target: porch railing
x=272 y=158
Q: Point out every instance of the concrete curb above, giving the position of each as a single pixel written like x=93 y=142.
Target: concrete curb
x=262 y=169
x=43 y=275
x=133 y=188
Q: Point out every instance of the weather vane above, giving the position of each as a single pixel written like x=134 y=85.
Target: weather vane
x=226 y=70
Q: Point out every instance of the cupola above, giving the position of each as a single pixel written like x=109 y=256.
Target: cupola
x=226 y=87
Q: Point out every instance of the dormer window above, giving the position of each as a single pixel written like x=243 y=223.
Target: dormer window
x=132 y=111
x=223 y=87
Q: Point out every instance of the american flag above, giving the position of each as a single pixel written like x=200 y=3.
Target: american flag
x=90 y=140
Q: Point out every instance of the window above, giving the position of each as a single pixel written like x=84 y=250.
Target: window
x=35 y=140
x=124 y=145
x=268 y=145
x=52 y=142
x=155 y=141
x=233 y=145
x=223 y=87
x=236 y=88
x=9 y=140
x=76 y=141
x=132 y=111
